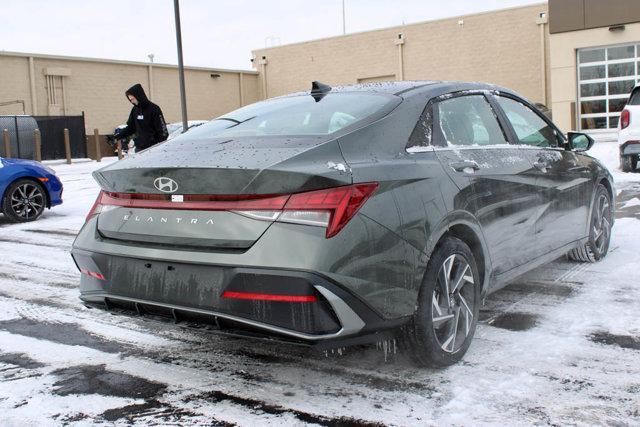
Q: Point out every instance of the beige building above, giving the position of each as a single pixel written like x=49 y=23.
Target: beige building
x=507 y=47
x=594 y=57
x=54 y=85
x=581 y=58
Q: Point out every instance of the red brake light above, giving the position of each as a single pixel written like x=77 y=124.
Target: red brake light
x=332 y=208
x=96 y=208
x=269 y=297
x=94 y=274
x=342 y=203
x=196 y=201
x=625 y=118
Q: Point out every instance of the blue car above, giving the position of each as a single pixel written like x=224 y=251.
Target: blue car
x=27 y=187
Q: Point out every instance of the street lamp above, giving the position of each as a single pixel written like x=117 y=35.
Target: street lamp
x=344 y=25
x=183 y=97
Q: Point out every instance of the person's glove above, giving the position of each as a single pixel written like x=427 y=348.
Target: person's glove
x=117 y=134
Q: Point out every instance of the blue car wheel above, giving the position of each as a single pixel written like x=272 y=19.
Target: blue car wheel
x=24 y=201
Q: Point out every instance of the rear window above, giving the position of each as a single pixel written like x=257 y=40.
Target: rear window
x=634 y=99
x=297 y=115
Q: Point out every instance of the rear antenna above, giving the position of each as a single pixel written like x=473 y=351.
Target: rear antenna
x=319 y=90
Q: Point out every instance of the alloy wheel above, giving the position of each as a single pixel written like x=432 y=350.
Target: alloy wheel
x=453 y=303
x=602 y=223
x=27 y=201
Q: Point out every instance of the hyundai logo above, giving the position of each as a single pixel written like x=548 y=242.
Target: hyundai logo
x=166 y=185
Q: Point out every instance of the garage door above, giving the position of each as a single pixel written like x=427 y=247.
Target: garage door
x=606 y=76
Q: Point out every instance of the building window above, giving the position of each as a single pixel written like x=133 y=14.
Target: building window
x=606 y=76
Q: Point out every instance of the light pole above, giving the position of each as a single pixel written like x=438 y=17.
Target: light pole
x=344 y=25
x=183 y=97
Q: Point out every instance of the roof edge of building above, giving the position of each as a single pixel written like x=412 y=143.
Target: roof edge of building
x=542 y=3
x=119 y=61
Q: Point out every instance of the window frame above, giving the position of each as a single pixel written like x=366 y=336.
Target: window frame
x=430 y=116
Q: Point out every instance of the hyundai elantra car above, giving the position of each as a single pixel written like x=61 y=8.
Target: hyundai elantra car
x=27 y=188
x=345 y=215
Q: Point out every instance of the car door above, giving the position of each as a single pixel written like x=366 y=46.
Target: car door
x=474 y=149
x=563 y=177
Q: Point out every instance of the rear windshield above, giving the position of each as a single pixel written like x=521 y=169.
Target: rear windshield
x=297 y=115
x=634 y=99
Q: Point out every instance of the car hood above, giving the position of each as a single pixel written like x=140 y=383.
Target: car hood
x=20 y=162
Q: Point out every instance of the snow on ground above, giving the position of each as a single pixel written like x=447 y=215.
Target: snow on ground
x=609 y=154
x=560 y=345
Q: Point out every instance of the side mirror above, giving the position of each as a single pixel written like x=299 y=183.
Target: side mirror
x=579 y=141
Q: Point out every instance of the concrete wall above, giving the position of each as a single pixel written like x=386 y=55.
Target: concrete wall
x=563 y=63
x=503 y=47
x=97 y=88
x=14 y=85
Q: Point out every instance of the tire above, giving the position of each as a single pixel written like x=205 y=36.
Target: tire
x=597 y=246
x=628 y=163
x=24 y=201
x=444 y=324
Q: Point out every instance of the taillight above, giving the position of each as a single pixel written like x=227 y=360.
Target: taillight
x=93 y=274
x=96 y=208
x=625 y=118
x=332 y=208
x=268 y=297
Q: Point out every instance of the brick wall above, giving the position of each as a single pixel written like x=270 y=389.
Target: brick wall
x=502 y=47
x=97 y=88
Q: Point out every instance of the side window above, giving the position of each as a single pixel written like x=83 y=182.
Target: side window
x=530 y=128
x=421 y=135
x=469 y=120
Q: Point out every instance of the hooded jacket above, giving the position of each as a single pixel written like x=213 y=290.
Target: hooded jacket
x=145 y=120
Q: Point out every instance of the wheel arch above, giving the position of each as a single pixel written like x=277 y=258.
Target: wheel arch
x=608 y=184
x=604 y=181
x=465 y=227
x=29 y=178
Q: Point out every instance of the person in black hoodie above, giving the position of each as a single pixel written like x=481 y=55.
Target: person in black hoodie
x=145 y=120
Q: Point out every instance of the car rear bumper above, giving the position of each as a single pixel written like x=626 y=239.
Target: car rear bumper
x=194 y=294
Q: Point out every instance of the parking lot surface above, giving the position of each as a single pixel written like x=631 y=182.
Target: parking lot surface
x=560 y=345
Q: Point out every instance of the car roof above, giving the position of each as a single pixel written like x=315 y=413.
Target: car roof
x=408 y=88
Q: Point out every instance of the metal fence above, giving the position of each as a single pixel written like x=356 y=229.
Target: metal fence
x=22 y=139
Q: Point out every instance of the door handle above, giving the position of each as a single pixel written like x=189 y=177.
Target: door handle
x=580 y=169
x=468 y=166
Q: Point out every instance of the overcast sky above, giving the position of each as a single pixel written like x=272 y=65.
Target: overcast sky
x=215 y=33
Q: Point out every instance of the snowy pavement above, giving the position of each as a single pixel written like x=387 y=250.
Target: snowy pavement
x=560 y=345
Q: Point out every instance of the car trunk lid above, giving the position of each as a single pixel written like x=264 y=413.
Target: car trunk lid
x=205 y=193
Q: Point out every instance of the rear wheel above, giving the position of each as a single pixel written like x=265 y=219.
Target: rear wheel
x=24 y=201
x=597 y=246
x=448 y=306
x=628 y=163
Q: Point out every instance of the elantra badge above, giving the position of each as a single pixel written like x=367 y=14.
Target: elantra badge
x=166 y=185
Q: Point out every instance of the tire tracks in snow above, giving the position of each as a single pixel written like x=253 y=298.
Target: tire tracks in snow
x=47 y=312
